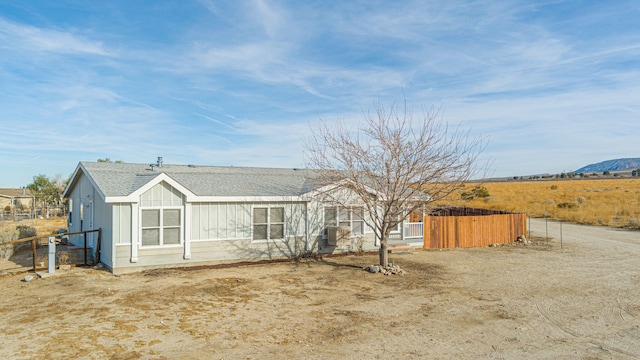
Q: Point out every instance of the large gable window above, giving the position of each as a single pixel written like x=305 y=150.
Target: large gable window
x=268 y=223
x=160 y=227
x=161 y=216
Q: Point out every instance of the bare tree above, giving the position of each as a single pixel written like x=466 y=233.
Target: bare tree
x=393 y=167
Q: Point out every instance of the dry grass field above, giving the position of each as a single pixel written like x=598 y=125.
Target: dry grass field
x=608 y=202
x=43 y=226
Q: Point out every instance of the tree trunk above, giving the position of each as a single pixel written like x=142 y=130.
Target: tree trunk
x=384 y=253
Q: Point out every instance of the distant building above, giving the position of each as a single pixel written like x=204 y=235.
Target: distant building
x=16 y=202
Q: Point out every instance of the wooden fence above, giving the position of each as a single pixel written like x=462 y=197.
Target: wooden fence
x=466 y=231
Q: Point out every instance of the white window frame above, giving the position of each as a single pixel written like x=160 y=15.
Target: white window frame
x=269 y=222
x=161 y=227
x=70 y=212
x=340 y=210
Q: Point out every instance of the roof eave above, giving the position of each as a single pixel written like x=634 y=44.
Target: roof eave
x=74 y=179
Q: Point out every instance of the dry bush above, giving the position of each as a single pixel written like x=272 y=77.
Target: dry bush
x=63 y=258
x=42 y=259
x=6 y=235
x=26 y=231
x=610 y=202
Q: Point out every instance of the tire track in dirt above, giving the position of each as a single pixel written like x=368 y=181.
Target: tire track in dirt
x=613 y=323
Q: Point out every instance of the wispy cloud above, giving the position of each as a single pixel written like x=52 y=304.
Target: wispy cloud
x=241 y=82
x=47 y=40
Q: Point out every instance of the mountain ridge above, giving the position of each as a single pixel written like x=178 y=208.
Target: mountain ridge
x=611 y=165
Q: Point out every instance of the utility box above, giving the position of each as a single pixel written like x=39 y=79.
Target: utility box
x=338 y=235
x=52 y=254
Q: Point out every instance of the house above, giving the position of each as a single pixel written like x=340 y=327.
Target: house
x=178 y=215
x=16 y=202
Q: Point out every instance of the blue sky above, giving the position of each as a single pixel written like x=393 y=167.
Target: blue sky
x=553 y=85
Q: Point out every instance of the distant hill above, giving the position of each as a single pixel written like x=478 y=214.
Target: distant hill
x=611 y=165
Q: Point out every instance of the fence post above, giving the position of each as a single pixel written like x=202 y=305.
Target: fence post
x=85 y=248
x=98 y=246
x=546 y=226
x=33 y=248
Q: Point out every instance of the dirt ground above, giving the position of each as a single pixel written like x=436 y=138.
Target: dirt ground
x=581 y=301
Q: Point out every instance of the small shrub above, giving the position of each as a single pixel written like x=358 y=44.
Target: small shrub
x=476 y=192
x=42 y=261
x=63 y=258
x=566 y=205
x=7 y=235
x=580 y=199
x=554 y=187
x=26 y=231
x=360 y=244
x=634 y=223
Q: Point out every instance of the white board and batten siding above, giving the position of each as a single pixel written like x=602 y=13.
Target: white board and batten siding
x=89 y=211
x=213 y=231
x=233 y=221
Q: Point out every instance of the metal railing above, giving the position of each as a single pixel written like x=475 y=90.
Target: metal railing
x=413 y=230
x=34 y=240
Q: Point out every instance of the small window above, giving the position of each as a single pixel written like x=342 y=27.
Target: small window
x=268 y=223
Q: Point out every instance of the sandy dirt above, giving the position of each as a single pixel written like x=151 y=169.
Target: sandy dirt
x=581 y=301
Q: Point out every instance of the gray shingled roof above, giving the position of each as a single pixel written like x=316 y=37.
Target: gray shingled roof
x=116 y=179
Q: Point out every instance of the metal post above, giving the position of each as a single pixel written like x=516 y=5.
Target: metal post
x=560 y=234
x=546 y=225
x=52 y=254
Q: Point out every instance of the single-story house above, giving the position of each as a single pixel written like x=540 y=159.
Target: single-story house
x=162 y=215
x=16 y=201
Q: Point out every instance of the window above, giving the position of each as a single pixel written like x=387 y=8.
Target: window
x=70 y=211
x=268 y=223
x=160 y=227
x=352 y=217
